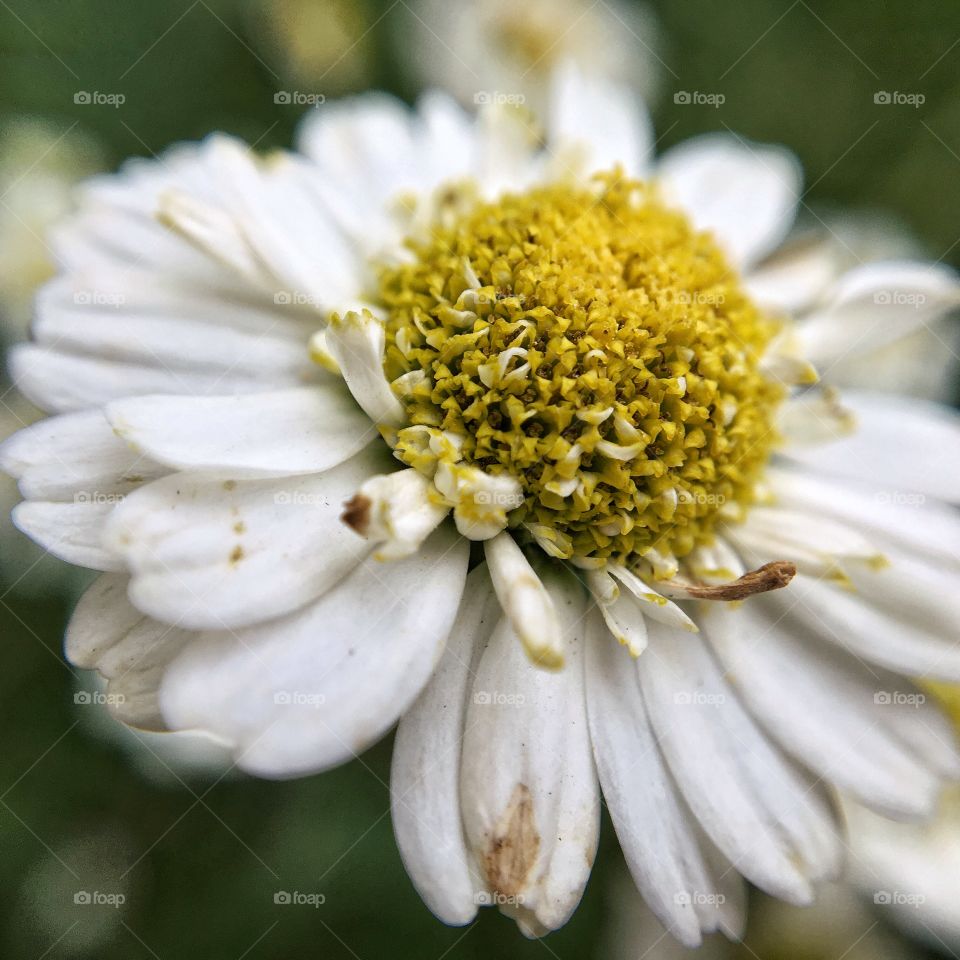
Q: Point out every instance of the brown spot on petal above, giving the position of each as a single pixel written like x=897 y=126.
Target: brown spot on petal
x=239 y=527
x=512 y=849
x=771 y=576
x=356 y=513
x=236 y=555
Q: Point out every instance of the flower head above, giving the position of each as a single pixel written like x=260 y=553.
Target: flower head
x=512 y=436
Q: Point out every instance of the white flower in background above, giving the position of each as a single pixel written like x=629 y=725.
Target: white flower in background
x=39 y=167
x=482 y=50
x=909 y=870
x=584 y=396
x=839 y=925
x=322 y=48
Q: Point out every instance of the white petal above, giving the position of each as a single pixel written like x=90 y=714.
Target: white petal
x=70 y=531
x=177 y=346
x=814 y=543
x=597 y=125
x=74 y=456
x=794 y=276
x=763 y=815
x=508 y=150
x=902 y=443
x=213 y=231
x=531 y=804
x=425 y=775
x=286 y=224
x=356 y=343
x=210 y=554
x=658 y=841
x=865 y=730
x=107 y=633
x=365 y=145
x=275 y=434
x=63 y=382
x=903 y=617
x=815 y=416
x=525 y=601
x=874 y=305
x=906 y=522
x=311 y=690
x=744 y=193
x=654 y=604
x=621 y=612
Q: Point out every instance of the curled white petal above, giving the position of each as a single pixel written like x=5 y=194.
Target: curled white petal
x=655 y=605
x=397 y=510
x=525 y=601
x=480 y=500
x=355 y=342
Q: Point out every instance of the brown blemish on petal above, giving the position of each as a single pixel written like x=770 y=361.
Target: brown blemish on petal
x=356 y=513
x=239 y=527
x=771 y=576
x=229 y=484
x=512 y=849
x=236 y=555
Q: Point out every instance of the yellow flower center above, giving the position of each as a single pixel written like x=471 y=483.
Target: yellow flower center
x=589 y=343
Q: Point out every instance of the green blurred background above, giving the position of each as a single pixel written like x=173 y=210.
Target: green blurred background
x=198 y=859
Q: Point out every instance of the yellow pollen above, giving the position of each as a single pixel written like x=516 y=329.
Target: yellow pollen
x=589 y=343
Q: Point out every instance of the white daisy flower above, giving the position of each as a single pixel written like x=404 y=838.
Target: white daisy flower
x=583 y=363
x=482 y=50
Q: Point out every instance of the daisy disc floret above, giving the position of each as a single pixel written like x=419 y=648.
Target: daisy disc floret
x=588 y=344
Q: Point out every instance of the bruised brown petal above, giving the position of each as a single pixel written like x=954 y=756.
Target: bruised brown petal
x=356 y=513
x=512 y=850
